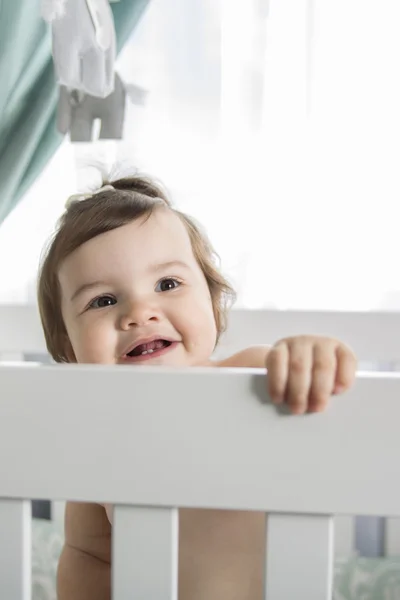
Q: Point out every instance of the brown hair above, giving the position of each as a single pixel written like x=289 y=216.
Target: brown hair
x=127 y=200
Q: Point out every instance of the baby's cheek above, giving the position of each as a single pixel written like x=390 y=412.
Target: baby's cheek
x=90 y=346
x=202 y=332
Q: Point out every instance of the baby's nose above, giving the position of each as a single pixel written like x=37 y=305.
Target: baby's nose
x=138 y=314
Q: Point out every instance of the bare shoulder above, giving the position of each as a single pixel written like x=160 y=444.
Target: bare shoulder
x=252 y=358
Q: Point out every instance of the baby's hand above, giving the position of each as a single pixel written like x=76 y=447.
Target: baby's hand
x=304 y=371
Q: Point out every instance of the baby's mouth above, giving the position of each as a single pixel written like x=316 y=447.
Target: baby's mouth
x=149 y=348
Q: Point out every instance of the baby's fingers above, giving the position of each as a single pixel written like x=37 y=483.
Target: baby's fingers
x=299 y=380
x=278 y=369
x=345 y=370
x=323 y=376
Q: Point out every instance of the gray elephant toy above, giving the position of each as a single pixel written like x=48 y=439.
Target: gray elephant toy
x=77 y=111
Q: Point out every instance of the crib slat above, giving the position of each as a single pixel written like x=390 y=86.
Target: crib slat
x=369 y=536
x=299 y=560
x=15 y=549
x=392 y=537
x=344 y=535
x=145 y=553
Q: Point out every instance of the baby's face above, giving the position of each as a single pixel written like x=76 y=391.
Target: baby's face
x=137 y=296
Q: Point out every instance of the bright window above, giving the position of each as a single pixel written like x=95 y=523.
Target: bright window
x=278 y=128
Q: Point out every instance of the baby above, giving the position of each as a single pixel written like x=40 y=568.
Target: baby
x=130 y=280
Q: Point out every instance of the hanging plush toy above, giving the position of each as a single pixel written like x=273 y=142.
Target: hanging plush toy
x=53 y=9
x=83 y=44
x=77 y=111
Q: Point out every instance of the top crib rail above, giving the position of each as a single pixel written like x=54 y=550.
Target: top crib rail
x=373 y=335
x=195 y=438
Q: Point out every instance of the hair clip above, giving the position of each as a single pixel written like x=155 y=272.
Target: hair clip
x=80 y=197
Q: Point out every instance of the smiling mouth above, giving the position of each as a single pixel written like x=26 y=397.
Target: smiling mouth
x=150 y=348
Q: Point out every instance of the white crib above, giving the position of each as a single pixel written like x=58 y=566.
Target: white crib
x=160 y=455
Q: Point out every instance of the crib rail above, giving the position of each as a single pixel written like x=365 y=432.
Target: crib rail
x=151 y=440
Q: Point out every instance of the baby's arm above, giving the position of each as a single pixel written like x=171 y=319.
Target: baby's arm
x=254 y=357
x=84 y=568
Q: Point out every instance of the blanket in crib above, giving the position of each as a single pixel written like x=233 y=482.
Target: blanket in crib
x=355 y=578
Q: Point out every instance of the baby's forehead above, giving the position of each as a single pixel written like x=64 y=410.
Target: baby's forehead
x=158 y=238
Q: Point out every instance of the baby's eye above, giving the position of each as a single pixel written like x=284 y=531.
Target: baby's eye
x=169 y=283
x=102 y=301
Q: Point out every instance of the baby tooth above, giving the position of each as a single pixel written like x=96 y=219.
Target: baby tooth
x=144 y=352
x=150 y=351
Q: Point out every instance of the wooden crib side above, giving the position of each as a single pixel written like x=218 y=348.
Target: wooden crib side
x=151 y=440
x=369 y=333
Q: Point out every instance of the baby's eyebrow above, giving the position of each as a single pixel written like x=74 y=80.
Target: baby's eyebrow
x=154 y=268
x=169 y=265
x=86 y=287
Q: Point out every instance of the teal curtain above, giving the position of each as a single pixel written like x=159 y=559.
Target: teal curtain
x=28 y=92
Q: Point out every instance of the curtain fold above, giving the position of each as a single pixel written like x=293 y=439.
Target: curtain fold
x=29 y=94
